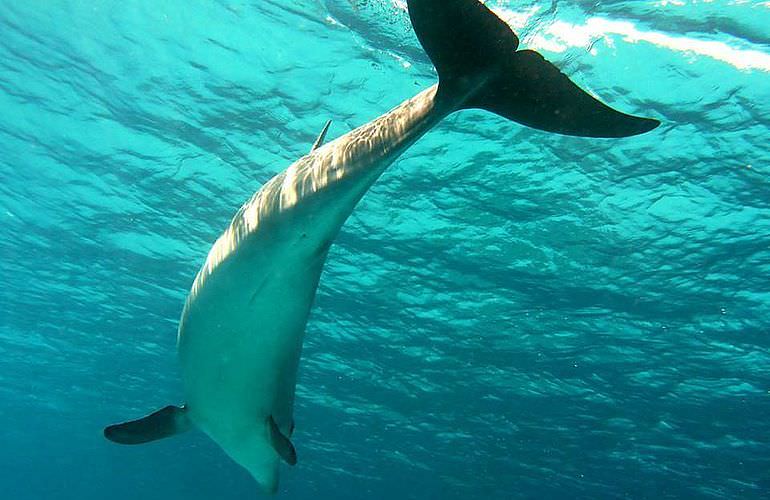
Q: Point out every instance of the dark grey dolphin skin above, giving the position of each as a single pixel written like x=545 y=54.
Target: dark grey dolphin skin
x=479 y=66
x=242 y=327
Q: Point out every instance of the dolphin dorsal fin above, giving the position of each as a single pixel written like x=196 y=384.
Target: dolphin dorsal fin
x=281 y=444
x=319 y=142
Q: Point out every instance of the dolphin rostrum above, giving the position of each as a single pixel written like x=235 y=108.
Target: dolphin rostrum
x=242 y=327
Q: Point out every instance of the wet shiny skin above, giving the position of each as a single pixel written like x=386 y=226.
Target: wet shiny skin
x=241 y=332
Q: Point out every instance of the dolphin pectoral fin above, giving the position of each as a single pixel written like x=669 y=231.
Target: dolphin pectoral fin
x=321 y=137
x=164 y=423
x=281 y=443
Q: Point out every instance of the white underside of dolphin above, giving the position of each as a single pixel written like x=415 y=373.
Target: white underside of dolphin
x=241 y=332
x=242 y=328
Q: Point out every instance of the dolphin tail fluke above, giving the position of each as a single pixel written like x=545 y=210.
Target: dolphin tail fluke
x=475 y=55
x=164 y=423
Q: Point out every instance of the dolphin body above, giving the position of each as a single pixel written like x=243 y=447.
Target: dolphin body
x=241 y=331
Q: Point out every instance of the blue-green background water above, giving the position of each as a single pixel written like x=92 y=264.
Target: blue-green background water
x=508 y=313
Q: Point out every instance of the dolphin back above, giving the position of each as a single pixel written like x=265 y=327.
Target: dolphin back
x=476 y=57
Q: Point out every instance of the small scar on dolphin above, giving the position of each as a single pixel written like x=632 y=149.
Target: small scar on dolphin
x=256 y=292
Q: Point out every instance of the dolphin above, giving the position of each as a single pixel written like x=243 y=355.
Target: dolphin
x=242 y=327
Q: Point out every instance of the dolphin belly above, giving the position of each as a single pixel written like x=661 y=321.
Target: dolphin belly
x=242 y=328
x=241 y=333
x=240 y=340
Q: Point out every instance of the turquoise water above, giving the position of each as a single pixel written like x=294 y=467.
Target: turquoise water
x=507 y=314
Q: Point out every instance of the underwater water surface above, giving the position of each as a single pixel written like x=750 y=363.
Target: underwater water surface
x=507 y=314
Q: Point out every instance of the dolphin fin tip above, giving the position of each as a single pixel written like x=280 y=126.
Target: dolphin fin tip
x=321 y=137
x=282 y=444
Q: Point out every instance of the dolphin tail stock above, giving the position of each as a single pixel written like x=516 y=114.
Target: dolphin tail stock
x=163 y=423
x=475 y=55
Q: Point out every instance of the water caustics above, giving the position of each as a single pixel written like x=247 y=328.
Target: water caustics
x=242 y=328
x=508 y=313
